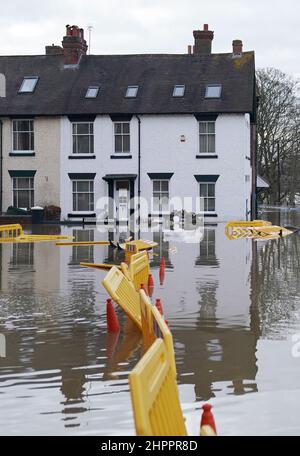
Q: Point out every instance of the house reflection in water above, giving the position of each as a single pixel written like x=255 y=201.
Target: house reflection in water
x=220 y=347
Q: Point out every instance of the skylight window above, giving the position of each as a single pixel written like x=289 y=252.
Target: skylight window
x=131 y=91
x=213 y=91
x=178 y=90
x=92 y=92
x=28 y=84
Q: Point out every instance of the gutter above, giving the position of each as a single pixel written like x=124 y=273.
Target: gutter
x=1 y=166
x=139 y=170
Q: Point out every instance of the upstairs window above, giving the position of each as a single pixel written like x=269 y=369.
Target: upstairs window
x=92 y=92
x=207 y=137
x=122 y=137
x=131 y=91
x=23 y=136
x=213 y=91
x=83 y=138
x=28 y=84
x=178 y=90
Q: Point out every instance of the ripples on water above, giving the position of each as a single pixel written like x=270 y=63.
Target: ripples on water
x=233 y=307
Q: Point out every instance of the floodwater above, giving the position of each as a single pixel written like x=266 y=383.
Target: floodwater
x=233 y=308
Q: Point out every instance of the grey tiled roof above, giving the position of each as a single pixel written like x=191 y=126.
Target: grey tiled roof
x=61 y=90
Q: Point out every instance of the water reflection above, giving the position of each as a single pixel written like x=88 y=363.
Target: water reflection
x=67 y=375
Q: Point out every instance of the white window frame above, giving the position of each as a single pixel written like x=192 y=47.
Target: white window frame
x=208 y=197
x=21 y=151
x=159 y=211
x=17 y=189
x=85 y=154
x=88 y=211
x=121 y=134
x=206 y=135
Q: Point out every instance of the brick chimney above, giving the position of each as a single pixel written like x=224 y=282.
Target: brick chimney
x=74 y=45
x=237 y=48
x=203 y=40
x=54 y=50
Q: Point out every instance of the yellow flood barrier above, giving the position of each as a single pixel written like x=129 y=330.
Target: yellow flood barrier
x=139 y=269
x=82 y=243
x=154 y=326
x=154 y=395
x=15 y=233
x=259 y=230
x=100 y=266
x=123 y=293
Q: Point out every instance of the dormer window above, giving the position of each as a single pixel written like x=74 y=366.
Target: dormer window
x=132 y=91
x=28 y=84
x=92 y=92
x=213 y=91
x=178 y=90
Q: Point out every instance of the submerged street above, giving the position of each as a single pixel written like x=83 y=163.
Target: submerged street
x=233 y=308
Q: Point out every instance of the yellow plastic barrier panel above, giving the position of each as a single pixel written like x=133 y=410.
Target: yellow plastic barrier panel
x=82 y=243
x=263 y=232
x=100 y=266
x=123 y=293
x=8 y=232
x=149 y=335
x=154 y=395
x=139 y=269
x=125 y=270
x=254 y=223
x=154 y=327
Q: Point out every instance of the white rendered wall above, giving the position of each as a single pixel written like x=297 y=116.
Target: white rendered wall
x=163 y=151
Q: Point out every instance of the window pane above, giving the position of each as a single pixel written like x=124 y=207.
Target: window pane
x=126 y=127
x=118 y=143
x=23 y=141
x=164 y=203
x=23 y=125
x=203 y=190
x=83 y=186
x=155 y=201
x=213 y=91
x=156 y=186
x=202 y=127
x=92 y=92
x=131 y=91
x=83 y=143
x=83 y=128
x=210 y=204
x=15 y=141
x=118 y=129
x=211 y=190
x=165 y=186
x=203 y=144
x=23 y=183
x=211 y=144
x=178 y=91
x=91 y=150
x=211 y=127
x=23 y=198
x=31 y=141
x=126 y=143
x=28 y=84
x=83 y=202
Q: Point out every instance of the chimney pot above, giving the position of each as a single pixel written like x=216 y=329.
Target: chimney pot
x=205 y=27
x=189 y=49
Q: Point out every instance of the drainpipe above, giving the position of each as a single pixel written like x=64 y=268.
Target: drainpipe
x=139 y=171
x=1 y=166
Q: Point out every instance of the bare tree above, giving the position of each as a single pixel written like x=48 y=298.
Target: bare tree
x=278 y=128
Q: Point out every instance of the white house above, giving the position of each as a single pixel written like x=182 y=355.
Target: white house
x=163 y=129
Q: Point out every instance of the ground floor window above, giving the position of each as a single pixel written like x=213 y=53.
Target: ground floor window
x=160 y=201
x=208 y=193
x=23 y=192
x=83 y=195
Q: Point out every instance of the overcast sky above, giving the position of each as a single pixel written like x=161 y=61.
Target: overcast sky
x=270 y=27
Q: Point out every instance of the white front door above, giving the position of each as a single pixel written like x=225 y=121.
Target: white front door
x=122 y=200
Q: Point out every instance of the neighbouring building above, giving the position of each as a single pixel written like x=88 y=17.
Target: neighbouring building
x=78 y=127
